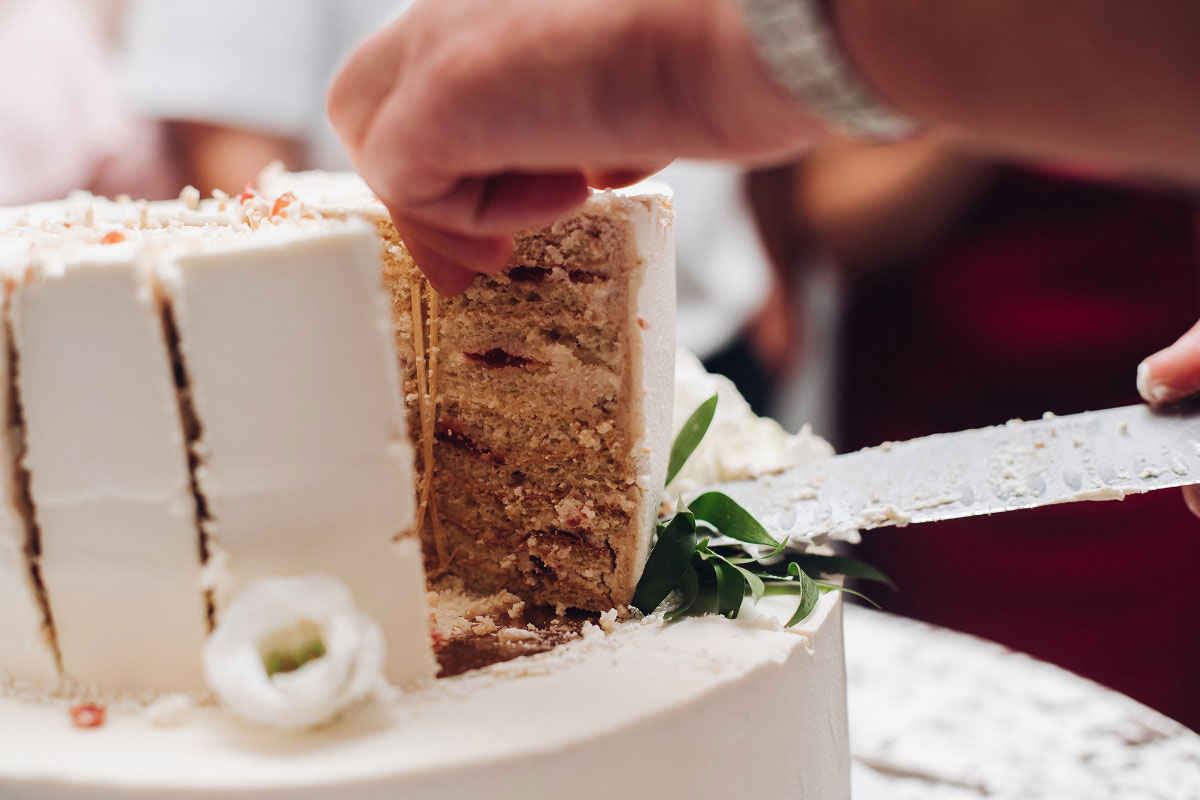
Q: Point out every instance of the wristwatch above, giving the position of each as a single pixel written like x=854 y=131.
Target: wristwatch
x=798 y=42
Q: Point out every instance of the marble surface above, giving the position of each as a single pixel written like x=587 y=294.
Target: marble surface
x=939 y=715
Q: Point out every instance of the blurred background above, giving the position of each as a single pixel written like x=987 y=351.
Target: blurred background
x=880 y=292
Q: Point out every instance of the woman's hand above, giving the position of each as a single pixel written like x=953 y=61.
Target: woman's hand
x=1170 y=375
x=474 y=119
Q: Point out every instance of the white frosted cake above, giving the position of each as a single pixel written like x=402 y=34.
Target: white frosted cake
x=277 y=520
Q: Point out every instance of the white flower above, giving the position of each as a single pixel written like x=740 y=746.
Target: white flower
x=739 y=444
x=293 y=652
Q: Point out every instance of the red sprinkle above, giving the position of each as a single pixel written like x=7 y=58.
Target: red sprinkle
x=285 y=200
x=439 y=638
x=112 y=237
x=87 y=715
x=248 y=193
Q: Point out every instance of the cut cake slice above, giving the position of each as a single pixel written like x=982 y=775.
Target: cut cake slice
x=26 y=648
x=108 y=470
x=258 y=344
x=304 y=461
x=539 y=399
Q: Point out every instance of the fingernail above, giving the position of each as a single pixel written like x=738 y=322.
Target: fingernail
x=1150 y=390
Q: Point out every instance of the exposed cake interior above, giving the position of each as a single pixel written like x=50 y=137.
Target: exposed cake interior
x=526 y=407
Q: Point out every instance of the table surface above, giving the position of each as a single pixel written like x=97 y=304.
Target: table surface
x=939 y=715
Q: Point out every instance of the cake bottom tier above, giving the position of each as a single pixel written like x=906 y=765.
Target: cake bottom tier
x=704 y=707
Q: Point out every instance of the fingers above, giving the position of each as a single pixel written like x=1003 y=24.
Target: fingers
x=482 y=213
x=359 y=88
x=1173 y=373
x=444 y=273
x=444 y=256
x=501 y=204
x=619 y=178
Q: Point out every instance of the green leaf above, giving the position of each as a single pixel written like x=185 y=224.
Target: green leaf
x=731 y=587
x=809 y=594
x=777 y=587
x=689 y=587
x=668 y=562
x=706 y=599
x=723 y=513
x=689 y=436
x=833 y=587
x=753 y=560
x=751 y=580
x=843 y=565
x=754 y=582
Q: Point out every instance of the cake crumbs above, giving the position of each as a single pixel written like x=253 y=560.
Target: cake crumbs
x=511 y=635
x=190 y=197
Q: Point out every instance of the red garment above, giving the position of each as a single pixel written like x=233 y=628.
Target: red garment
x=1045 y=299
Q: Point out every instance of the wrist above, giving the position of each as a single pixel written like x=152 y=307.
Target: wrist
x=755 y=112
x=800 y=42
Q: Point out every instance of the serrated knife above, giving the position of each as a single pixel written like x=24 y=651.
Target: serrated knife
x=1097 y=455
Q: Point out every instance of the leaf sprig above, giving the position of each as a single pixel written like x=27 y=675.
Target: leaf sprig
x=717 y=578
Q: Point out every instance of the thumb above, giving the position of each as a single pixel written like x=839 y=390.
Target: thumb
x=1172 y=373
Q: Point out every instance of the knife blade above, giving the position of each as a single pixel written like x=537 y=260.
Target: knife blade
x=1096 y=455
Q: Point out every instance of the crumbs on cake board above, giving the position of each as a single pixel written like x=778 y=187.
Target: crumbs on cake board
x=471 y=630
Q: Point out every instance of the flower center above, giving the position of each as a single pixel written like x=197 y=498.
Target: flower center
x=289 y=649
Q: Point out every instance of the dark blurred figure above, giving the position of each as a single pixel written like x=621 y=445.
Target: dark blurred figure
x=980 y=291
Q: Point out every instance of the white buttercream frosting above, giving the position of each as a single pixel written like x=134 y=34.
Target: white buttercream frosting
x=287 y=612
x=739 y=443
x=597 y=718
x=320 y=485
x=108 y=470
